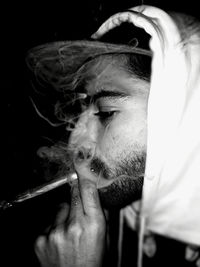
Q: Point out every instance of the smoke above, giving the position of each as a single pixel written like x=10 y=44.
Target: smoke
x=61 y=158
x=64 y=156
x=57 y=160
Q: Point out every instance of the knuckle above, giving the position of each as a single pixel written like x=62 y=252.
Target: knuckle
x=75 y=229
x=57 y=236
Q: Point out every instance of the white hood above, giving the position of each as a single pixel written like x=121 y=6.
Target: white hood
x=171 y=192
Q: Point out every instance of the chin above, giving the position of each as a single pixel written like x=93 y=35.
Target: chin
x=121 y=192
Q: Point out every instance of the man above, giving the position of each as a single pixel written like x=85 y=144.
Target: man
x=129 y=127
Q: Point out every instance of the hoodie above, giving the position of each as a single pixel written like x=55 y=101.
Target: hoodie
x=170 y=203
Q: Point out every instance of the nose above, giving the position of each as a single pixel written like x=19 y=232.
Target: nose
x=83 y=137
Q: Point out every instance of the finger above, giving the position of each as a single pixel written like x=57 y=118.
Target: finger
x=62 y=214
x=89 y=193
x=76 y=208
x=40 y=247
x=61 y=217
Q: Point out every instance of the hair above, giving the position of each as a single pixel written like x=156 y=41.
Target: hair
x=62 y=87
x=133 y=64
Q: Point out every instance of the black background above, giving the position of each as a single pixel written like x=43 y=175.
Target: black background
x=30 y=24
x=26 y=25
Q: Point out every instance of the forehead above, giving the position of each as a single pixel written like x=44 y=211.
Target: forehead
x=106 y=73
x=110 y=73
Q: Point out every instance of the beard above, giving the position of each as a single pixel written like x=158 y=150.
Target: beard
x=127 y=181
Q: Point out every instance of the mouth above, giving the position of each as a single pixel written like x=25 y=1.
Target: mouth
x=103 y=177
x=102 y=172
x=99 y=169
x=121 y=186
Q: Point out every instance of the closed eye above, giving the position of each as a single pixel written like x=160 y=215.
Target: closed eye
x=105 y=116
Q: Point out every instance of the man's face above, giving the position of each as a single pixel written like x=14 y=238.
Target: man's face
x=111 y=131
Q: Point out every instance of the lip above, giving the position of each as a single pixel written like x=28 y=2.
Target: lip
x=98 y=168
x=107 y=182
x=104 y=183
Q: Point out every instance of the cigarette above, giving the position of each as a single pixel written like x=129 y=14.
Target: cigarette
x=39 y=190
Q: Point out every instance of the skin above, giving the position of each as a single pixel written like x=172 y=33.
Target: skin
x=112 y=130
x=109 y=141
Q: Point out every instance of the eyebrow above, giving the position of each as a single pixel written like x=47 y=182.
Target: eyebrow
x=108 y=94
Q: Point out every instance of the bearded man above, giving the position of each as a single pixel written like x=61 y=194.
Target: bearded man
x=136 y=133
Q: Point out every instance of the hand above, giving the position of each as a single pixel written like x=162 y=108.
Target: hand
x=78 y=239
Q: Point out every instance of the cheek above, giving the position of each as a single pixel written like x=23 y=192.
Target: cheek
x=122 y=137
